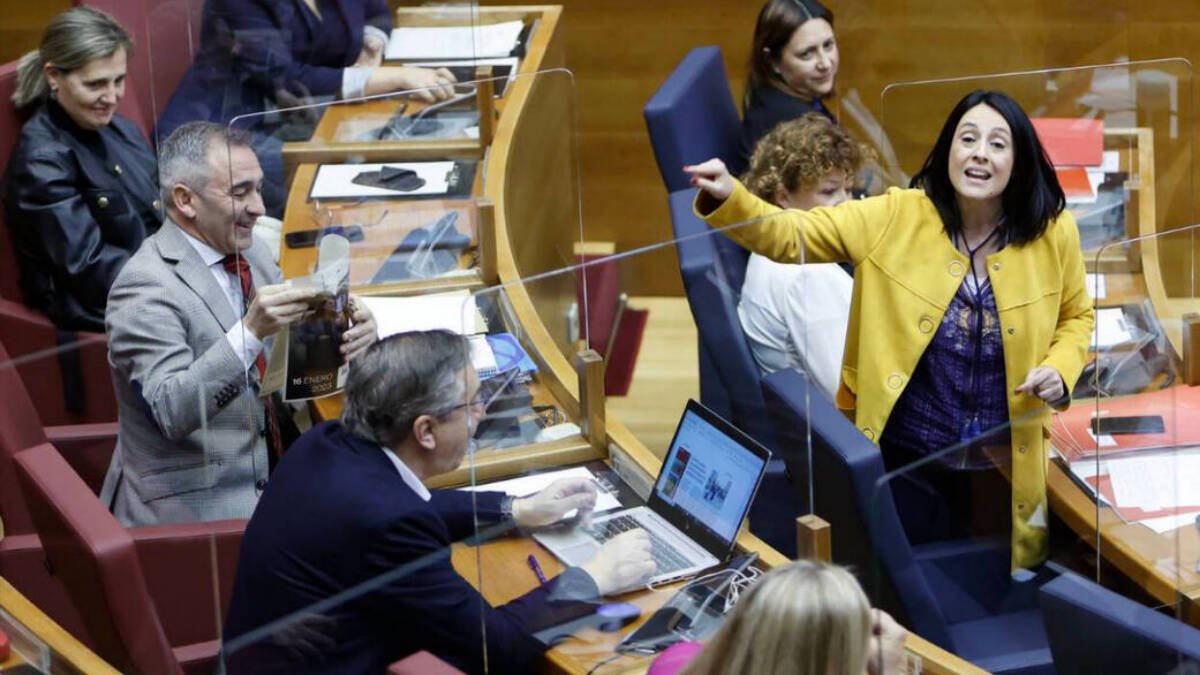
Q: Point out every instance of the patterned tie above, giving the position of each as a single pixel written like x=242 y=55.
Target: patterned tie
x=236 y=264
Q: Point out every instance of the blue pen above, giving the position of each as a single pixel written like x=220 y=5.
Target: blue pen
x=537 y=568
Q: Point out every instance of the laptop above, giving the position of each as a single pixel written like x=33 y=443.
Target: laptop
x=699 y=500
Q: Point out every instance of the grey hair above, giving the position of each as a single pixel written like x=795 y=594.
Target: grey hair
x=183 y=156
x=402 y=377
x=72 y=40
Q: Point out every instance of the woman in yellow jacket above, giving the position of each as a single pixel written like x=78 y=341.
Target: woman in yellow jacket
x=969 y=311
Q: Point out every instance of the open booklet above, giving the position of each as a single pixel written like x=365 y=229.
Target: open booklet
x=306 y=360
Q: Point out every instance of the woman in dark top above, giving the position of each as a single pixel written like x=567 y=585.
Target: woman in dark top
x=81 y=190
x=256 y=56
x=793 y=65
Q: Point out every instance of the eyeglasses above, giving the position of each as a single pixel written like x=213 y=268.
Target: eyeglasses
x=479 y=401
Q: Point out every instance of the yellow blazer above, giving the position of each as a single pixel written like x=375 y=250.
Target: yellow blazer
x=906 y=272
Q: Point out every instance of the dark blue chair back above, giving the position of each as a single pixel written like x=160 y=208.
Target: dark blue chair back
x=957 y=593
x=691 y=117
x=729 y=379
x=713 y=286
x=1094 y=631
x=847 y=468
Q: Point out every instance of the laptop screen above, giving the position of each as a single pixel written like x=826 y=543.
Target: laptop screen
x=709 y=477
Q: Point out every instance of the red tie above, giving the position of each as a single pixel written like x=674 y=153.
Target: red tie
x=236 y=264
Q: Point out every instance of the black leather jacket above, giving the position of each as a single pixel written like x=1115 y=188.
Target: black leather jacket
x=79 y=203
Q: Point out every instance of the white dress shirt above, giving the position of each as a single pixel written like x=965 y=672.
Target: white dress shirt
x=410 y=478
x=244 y=343
x=794 y=316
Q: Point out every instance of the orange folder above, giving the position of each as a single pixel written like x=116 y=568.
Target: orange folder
x=1071 y=141
x=1179 y=408
x=1074 y=182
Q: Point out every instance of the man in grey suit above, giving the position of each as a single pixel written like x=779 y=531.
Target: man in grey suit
x=186 y=359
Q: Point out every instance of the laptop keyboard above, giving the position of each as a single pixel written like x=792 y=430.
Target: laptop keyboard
x=665 y=556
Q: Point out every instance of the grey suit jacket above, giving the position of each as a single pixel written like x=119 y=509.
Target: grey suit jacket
x=191 y=444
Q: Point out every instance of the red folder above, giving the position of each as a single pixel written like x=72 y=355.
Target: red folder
x=1074 y=182
x=1071 y=141
x=1178 y=406
x=1103 y=485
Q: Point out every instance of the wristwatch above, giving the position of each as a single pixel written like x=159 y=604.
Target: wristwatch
x=506 y=508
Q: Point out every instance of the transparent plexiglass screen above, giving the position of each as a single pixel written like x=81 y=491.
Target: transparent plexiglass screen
x=519 y=410
x=1122 y=154
x=609 y=428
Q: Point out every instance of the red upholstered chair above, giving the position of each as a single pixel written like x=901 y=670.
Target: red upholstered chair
x=152 y=598
x=30 y=334
x=88 y=448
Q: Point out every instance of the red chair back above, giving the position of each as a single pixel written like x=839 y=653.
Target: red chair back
x=98 y=563
x=10 y=130
x=20 y=428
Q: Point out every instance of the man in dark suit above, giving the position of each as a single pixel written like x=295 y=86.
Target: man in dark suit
x=345 y=565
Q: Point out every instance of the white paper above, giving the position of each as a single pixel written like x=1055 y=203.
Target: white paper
x=1103 y=440
x=453 y=42
x=1111 y=328
x=1153 y=482
x=1111 y=162
x=454 y=312
x=527 y=485
x=482 y=356
x=336 y=181
x=1096 y=286
x=1168 y=523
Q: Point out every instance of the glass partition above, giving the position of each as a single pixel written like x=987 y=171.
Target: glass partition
x=1124 y=162
x=524 y=410
x=695 y=474
x=1123 y=157
x=960 y=539
x=1139 y=448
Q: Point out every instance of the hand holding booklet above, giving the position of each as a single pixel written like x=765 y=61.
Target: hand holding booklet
x=308 y=354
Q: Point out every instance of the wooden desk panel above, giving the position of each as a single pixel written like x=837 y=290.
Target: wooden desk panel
x=508 y=576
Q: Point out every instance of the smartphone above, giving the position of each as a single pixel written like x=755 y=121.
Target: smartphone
x=1137 y=424
x=309 y=238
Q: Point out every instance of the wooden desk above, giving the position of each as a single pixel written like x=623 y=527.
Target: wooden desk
x=67 y=654
x=507 y=576
x=1164 y=565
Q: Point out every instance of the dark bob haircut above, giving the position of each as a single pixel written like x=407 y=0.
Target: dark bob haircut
x=777 y=21
x=1033 y=196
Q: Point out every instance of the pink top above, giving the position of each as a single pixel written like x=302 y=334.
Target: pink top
x=674 y=658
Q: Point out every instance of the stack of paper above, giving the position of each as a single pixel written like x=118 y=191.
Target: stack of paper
x=1156 y=482
x=455 y=312
x=454 y=42
x=1160 y=490
x=482 y=357
x=527 y=485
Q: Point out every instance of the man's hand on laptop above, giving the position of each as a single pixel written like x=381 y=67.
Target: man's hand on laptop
x=555 y=502
x=622 y=563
